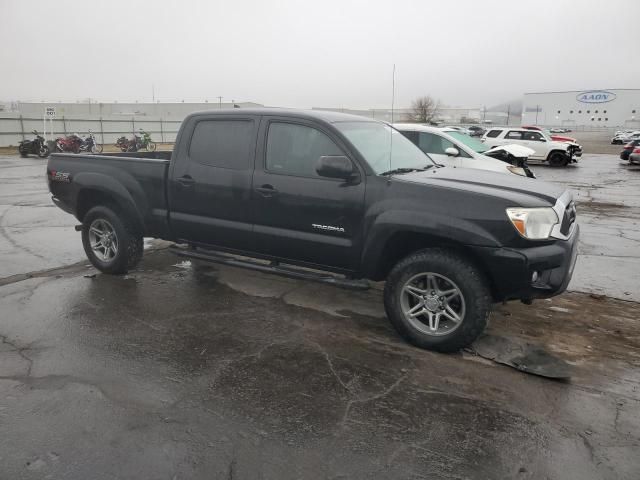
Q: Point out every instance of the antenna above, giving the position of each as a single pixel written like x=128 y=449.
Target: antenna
x=393 y=99
x=393 y=90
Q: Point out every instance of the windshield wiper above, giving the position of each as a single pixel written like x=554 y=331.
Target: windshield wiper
x=397 y=171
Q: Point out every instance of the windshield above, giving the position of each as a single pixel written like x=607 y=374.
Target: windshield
x=546 y=134
x=473 y=143
x=383 y=147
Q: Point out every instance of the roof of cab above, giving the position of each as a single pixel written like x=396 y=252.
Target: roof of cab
x=326 y=116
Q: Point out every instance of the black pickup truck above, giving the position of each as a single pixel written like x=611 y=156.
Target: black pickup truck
x=335 y=198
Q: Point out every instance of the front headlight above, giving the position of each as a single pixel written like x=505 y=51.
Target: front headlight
x=533 y=223
x=517 y=170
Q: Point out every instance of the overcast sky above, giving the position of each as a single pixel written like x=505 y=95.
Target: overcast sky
x=315 y=52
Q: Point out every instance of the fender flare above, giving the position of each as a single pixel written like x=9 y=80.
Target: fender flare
x=437 y=230
x=116 y=190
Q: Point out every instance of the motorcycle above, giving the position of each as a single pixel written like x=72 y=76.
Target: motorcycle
x=90 y=145
x=70 y=143
x=124 y=144
x=37 y=146
x=145 y=142
x=136 y=143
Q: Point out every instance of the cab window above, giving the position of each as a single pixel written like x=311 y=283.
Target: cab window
x=294 y=149
x=223 y=143
x=435 y=144
x=431 y=143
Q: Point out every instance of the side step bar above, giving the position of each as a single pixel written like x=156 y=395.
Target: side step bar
x=274 y=267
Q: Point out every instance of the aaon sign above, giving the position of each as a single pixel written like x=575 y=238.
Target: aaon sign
x=595 y=96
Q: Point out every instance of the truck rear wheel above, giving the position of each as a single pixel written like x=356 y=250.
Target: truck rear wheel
x=437 y=300
x=110 y=240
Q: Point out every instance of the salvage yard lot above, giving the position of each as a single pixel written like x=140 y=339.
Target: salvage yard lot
x=184 y=371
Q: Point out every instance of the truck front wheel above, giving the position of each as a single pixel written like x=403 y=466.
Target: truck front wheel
x=437 y=300
x=111 y=242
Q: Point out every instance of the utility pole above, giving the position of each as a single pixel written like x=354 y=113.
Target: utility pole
x=219 y=101
x=153 y=93
x=508 y=112
x=537 y=110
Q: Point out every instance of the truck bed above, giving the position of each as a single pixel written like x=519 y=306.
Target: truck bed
x=139 y=178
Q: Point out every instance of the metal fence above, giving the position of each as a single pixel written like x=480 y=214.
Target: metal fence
x=13 y=129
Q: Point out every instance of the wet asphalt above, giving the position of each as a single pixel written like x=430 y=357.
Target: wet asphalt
x=180 y=370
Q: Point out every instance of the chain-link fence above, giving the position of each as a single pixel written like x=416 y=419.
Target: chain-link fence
x=14 y=129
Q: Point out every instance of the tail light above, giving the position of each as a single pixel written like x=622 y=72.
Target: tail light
x=636 y=150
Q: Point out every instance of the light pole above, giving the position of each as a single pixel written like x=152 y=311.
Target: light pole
x=219 y=102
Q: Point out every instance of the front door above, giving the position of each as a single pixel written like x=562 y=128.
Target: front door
x=536 y=141
x=210 y=185
x=299 y=215
x=434 y=145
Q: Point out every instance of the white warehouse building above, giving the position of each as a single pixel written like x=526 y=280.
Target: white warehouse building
x=583 y=108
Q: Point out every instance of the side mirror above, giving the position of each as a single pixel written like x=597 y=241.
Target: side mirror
x=335 y=166
x=452 y=152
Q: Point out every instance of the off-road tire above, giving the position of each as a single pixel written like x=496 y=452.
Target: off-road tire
x=471 y=282
x=558 y=159
x=130 y=243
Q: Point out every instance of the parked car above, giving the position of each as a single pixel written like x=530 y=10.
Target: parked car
x=334 y=192
x=550 y=134
x=634 y=157
x=454 y=127
x=453 y=148
x=556 y=154
x=628 y=149
x=621 y=138
x=476 y=131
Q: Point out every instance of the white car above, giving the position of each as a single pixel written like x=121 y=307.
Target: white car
x=556 y=154
x=451 y=147
x=625 y=137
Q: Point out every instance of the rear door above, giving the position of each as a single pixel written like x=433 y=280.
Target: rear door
x=210 y=184
x=299 y=215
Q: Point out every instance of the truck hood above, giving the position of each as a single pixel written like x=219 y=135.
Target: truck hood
x=562 y=138
x=512 y=187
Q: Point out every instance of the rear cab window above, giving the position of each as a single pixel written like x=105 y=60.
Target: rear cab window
x=494 y=133
x=223 y=143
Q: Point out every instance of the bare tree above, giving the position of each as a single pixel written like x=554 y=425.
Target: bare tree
x=424 y=109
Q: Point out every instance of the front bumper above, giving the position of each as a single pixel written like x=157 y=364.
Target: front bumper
x=511 y=270
x=575 y=152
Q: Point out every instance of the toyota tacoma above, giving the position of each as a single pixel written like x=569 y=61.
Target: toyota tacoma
x=334 y=198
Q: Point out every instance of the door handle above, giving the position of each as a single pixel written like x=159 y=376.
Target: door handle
x=266 y=191
x=186 y=181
